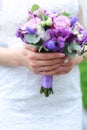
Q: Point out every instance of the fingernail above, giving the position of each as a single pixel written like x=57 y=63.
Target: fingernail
x=61 y=67
x=62 y=55
x=65 y=61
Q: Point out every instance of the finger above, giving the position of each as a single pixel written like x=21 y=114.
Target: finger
x=46 y=56
x=57 y=71
x=47 y=68
x=67 y=61
x=31 y=47
x=43 y=55
x=47 y=63
x=65 y=71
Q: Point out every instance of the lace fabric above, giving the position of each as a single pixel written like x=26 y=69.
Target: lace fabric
x=21 y=105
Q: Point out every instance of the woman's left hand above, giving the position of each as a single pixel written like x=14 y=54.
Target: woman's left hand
x=69 y=63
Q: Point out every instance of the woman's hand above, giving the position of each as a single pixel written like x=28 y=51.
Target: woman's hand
x=44 y=63
x=39 y=63
x=48 y=63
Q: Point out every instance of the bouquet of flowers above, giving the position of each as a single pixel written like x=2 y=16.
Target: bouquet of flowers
x=52 y=32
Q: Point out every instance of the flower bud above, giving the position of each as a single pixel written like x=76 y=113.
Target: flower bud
x=42 y=23
x=39 y=29
x=49 y=22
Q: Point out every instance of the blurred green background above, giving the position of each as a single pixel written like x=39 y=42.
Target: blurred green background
x=83 y=73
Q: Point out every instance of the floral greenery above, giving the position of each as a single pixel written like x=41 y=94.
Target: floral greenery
x=83 y=70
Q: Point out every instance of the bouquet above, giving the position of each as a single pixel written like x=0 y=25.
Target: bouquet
x=52 y=32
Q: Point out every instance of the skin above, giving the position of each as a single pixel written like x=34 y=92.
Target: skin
x=39 y=63
x=51 y=63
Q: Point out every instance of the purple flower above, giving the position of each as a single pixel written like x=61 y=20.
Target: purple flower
x=74 y=20
x=71 y=38
x=30 y=30
x=55 y=33
x=61 y=42
x=19 y=34
x=50 y=44
x=61 y=21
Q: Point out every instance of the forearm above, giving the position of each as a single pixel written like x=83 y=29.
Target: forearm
x=9 y=57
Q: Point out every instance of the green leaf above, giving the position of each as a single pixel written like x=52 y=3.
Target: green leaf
x=43 y=17
x=71 y=54
x=34 y=45
x=29 y=38
x=40 y=48
x=69 y=49
x=35 y=7
x=66 y=14
x=75 y=46
x=46 y=49
x=32 y=38
x=83 y=51
x=36 y=40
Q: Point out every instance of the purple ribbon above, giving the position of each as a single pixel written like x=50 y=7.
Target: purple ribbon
x=47 y=81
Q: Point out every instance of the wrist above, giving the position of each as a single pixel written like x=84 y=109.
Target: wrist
x=10 y=57
x=18 y=58
x=78 y=59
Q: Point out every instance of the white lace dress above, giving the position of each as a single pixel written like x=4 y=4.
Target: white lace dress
x=22 y=107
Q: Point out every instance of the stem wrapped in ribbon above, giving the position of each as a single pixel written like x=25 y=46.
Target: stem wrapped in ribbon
x=47 y=83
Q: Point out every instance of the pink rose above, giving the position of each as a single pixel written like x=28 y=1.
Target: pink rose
x=39 y=11
x=32 y=23
x=61 y=21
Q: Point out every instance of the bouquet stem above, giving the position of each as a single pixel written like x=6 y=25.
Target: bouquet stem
x=46 y=87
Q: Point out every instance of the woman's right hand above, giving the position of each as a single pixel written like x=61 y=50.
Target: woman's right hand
x=45 y=63
x=39 y=63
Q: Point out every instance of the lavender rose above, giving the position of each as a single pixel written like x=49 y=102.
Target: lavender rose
x=61 y=21
x=32 y=23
